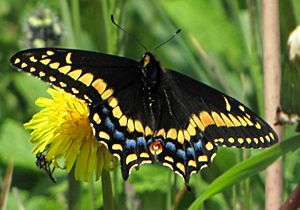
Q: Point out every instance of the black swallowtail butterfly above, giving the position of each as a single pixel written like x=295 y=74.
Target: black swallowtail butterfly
x=143 y=112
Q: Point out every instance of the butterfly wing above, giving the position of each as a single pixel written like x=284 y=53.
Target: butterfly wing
x=196 y=118
x=82 y=73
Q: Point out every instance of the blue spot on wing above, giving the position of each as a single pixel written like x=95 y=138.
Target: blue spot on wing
x=190 y=152
x=105 y=110
x=181 y=154
x=170 y=146
x=198 y=146
x=118 y=135
x=141 y=141
x=130 y=144
x=109 y=124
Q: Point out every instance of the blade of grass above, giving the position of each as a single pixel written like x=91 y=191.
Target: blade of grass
x=6 y=185
x=247 y=169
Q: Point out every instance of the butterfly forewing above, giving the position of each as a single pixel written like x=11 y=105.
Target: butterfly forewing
x=82 y=73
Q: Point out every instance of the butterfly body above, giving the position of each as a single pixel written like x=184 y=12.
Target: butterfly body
x=143 y=112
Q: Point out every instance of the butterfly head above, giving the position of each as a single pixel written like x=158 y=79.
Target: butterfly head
x=151 y=69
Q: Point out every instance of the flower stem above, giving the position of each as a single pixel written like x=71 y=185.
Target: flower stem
x=272 y=79
x=107 y=193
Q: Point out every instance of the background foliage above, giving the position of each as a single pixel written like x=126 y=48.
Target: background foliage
x=220 y=44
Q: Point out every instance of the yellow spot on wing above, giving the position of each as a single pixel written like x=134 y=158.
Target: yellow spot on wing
x=54 y=65
x=117 y=147
x=104 y=135
x=242 y=108
x=231 y=140
x=180 y=166
x=86 y=79
x=112 y=102
x=170 y=159
x=130 y=125
x=198 y=122
x=74 y=90
x=23 y=65
x=130 y=158
x=240 y=140
x=99 y=85
x=228 y=107
x=17 y=61
x=267 y=138
x=123 y=120
x=206 y=118
x=272 y=136
x=243 y=122
x=68 y=58
x=249 y=122
x=50 y=52
x=180 y=137
x=172 y=134
x=52 y=79
x=234 y=120
x=192 y=163
x=227 y=120
x=117 y=113
x=144 y=155
x=248 y=140
x=64 y=69
x=148 y=131
x=45 y=61
x=96 y=118
x=186 y=135
x=218 y=120
x=62 y=84
x=209 y=146
x=75 y=74
x=32 y=69
x=33 y=59
x=42 y=74
x=138 y=126
x=107 y=94
x=202 y=158
x=191 y=129
x=257 y=125
x=161 y=132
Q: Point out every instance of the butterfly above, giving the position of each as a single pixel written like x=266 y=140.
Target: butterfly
x=143 y=112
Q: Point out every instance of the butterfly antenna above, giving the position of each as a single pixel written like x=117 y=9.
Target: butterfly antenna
x=172 y=37
x=130 y=35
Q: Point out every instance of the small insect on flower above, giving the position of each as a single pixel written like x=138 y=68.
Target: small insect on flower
x=44 y=164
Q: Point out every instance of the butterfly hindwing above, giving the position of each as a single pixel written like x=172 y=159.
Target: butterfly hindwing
x=223 y=120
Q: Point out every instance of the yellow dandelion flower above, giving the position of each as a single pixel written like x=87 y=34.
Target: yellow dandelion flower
x=61 y=130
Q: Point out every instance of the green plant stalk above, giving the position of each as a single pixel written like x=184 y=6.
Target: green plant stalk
x=169 y=191
x=106 y=32
x=66 y=15
x=91 y=194
x=76 y=22
x=74 y=192
x=247 y=169
x=107 y=192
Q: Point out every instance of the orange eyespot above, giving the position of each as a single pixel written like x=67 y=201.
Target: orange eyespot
x=156 y=147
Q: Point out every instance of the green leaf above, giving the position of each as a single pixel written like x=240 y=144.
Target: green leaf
x=14 y=145
x=246 y=169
